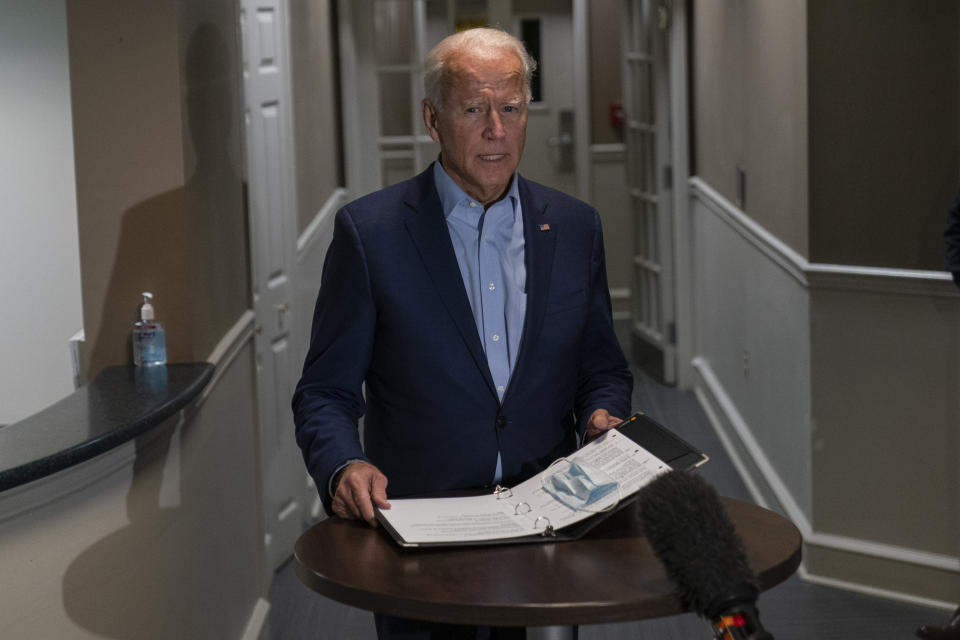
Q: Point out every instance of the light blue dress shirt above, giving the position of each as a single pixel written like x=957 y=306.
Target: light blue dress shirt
x=489 y=246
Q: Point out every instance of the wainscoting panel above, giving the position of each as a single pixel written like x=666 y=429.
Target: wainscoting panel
x=835 y=389
x=752 y=332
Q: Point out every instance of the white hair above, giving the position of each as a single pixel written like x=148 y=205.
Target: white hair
x=485 y=41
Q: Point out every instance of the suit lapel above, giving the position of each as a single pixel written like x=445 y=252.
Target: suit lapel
x=540 y=238
x=428 y=229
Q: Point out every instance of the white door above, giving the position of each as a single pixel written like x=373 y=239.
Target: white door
x=650 y=184
x=269 y=159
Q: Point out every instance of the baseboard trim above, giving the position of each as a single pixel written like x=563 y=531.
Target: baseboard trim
x=733 y=430
x=257 y=621
x=876 y=592
x=769 y=491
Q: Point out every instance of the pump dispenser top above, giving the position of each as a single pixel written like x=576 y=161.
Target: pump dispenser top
x=146 y=309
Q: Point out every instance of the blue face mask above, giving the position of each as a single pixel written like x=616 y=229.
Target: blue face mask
x=579 y=485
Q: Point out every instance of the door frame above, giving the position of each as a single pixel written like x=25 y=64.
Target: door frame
x=672 y=174
x=683 y=256
x=269 y=172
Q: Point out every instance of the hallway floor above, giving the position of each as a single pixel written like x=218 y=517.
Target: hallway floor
x=792 y=610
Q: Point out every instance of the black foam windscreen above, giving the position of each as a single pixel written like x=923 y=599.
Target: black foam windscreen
x=689 y=530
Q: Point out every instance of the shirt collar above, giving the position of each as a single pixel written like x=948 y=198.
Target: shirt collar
x=451 y=194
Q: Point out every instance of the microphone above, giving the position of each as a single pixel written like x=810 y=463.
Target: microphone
x=692 y=536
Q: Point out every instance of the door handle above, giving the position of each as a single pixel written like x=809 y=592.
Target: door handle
x=563 y=141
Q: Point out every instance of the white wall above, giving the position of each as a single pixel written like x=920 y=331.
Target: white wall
x=752 y=345
x=39 y=251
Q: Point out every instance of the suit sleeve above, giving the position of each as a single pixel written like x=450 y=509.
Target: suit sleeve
x=328 y=401
x=604 y=380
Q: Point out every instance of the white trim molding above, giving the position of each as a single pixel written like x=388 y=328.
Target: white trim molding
x=767 y=243
x=609 y=152
x=853 y=563
x=881 y=280
x=226 y=351
x=769 y=491
x=727 y=421
x=822 y=275
x=711 y=394
x=32 y=496
x=315 y=230
x=581 y=92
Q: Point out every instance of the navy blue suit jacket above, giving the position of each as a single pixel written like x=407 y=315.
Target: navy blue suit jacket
x=393 y=312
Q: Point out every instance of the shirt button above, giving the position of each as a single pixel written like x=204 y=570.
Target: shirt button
x=496 y=337
x=473 y=204
x=491 y=286
x=500 y=388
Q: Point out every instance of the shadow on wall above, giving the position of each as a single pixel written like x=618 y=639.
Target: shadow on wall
x=125 y=585
x=189 y=563
x=187 y=245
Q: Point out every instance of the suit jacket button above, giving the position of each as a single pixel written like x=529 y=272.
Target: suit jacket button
x=501 y=422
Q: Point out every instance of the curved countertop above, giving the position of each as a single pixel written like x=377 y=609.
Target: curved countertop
x=121 y=403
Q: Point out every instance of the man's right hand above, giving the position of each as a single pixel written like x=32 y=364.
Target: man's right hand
x=361 y=486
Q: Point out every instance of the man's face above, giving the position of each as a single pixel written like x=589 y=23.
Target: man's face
x=483 y=124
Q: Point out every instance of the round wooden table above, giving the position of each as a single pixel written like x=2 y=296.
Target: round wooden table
x=611 y=575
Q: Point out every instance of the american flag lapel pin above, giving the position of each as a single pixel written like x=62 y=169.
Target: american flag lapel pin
x=544 y=227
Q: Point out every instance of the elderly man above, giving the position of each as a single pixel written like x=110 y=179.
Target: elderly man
x=472 y=303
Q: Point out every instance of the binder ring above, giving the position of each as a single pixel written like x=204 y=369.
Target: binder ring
x=503 y=492
x=548 y=529
x=521 y=508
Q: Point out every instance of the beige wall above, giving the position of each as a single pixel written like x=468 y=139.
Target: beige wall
x=749 y=98
x=156 y=108
x=884 y=137
x=881 y=460
x=316 y=122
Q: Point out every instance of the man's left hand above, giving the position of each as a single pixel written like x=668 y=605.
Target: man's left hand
x=600 y=421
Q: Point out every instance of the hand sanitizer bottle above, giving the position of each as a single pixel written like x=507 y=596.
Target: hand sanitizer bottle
x=149 y=341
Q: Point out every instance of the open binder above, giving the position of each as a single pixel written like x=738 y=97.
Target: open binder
x=631 y=455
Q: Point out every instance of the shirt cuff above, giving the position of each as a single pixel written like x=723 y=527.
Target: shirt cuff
x=336 y=473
